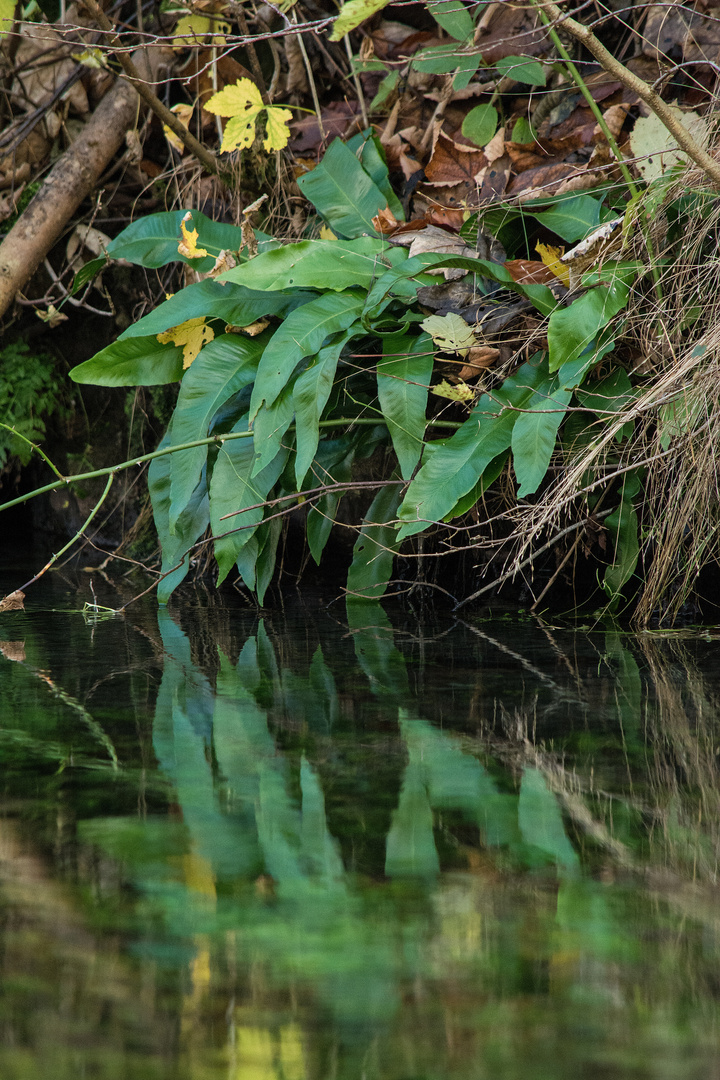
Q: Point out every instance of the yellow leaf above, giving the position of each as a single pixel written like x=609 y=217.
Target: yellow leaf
x=188 y=245
x=243 y=103
x=220 y=33
x=354 y=13
x=183 y=113
x=192 y=28
x=91 y=58
x=461 y=392
x=7 y=16
x=551 y=257
x=327 y=234
x=190 y=335
x=239 y=132
x=244 y=96
x=277 y=132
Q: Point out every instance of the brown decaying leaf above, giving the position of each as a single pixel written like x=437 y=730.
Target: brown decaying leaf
x=39 y=82
x=478 y=360
x=14 y=601
x=615 y=118
x=385 y=222
x=493 y=180
x=542 y=181
x=337 y=117
x=672 y=29
x=513 y=29
x=252 y=329
x=453 y=163
x=530 y=272
x=433 y=239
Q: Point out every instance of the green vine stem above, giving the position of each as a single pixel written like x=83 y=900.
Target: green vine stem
x=36 y=448
x=64 y=481
x=77 y=536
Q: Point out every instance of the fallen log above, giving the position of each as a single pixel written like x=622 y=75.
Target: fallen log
x=72 y=178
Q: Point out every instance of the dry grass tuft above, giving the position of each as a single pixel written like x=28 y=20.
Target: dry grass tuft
x=671 y=332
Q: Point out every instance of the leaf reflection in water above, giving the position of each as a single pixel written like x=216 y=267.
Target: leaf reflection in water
x=344 y=885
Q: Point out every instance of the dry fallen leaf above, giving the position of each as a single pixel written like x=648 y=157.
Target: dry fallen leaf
x=477 y=360
x=530 y=272
x=225 y=261
x=453 y=163
x=14 y=601
x=252 y=329
x=52 y=316
x=430 y=238
x=385 y=221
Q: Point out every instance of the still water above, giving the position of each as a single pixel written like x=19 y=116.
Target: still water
x=353 y=844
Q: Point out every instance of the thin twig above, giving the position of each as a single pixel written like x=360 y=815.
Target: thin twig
x=70 y=543
x=530 y=559
x=643 y=90
x=203 y=155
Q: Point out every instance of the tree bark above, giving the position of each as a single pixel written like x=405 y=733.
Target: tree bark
x=71 y=180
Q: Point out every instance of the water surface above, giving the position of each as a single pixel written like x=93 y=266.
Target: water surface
x=346 y=844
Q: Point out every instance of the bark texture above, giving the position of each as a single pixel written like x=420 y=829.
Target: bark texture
x=73 y=177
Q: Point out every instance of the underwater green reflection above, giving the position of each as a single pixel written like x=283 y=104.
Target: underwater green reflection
x=484 y=950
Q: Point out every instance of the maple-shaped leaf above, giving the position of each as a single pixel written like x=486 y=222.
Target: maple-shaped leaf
x=450 y=332
x=243 y=103
x=188 y=245
x=190 y=335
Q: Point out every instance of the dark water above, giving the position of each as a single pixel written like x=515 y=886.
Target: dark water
x=328 y=845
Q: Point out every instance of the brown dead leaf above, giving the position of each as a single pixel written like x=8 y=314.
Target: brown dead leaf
x=296 y=82
x=224 y=261
x=385 y=221
x=674 y=32
x=542 y=181
x=430 y=238
x=601 y=166
x=52 y=317
x=509 y=25
x=336 y=117
x=452 y=163
x=478 y=360
x=530 y=272
x=14 y=601
x=496 y=147
x=493 y=180
x=524 y=155
x=13 y=650
x=615 y=118
x=38 y=81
